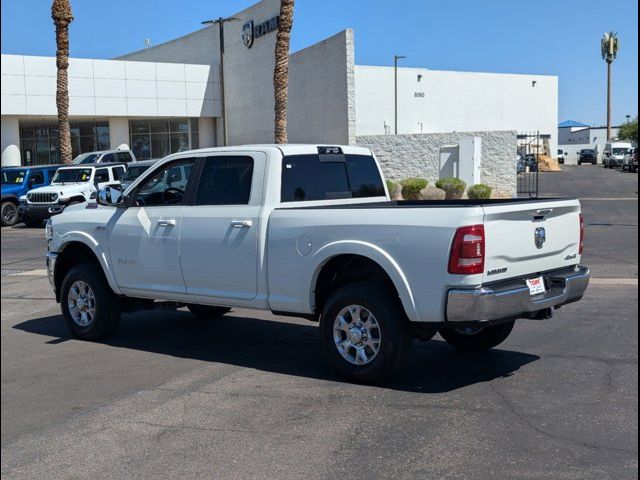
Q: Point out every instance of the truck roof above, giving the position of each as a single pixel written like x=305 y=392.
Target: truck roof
x=287 y=149
x=35 y=167
x=95 y=165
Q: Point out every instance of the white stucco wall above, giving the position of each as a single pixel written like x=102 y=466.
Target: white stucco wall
x=418 y=155
x=108 y=88
x=321 y=92
x=10 y=141
x=455 y=102
x=118 y=132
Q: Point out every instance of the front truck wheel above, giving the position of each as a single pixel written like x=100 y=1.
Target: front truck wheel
x=204 y=311
x=477 y=339
x=364 y=332
x=9 y=214
x=90 y=308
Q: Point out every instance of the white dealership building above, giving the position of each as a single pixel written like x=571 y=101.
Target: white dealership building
x=167 y=98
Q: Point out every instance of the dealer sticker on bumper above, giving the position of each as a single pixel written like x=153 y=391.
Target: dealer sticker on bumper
x=536 y=286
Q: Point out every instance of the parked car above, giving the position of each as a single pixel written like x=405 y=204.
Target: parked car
x=310 y=231
x=105 y=156
x=16 y=182
x=630 y=162
x=134 y=171
x=562 y=155
x=614 y=152
x=588 y=155
x=70 y=185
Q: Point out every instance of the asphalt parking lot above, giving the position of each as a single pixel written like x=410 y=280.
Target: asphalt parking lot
x=250 y=395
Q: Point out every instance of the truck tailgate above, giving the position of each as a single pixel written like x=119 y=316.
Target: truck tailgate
x=523 y=239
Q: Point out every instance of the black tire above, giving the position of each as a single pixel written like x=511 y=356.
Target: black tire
x=392 y=328
x=484 y=339
x=205 y=311
x=9 y=214
x=106 y=304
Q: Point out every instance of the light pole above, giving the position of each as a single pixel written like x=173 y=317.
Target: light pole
x=609 y=50
x=223 y=104
x=395 y=82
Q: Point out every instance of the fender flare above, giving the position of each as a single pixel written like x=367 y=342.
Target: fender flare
x=87 y=240
x=10 y=198
x=373 y=253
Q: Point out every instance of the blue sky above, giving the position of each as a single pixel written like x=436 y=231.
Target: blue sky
x=554 y=37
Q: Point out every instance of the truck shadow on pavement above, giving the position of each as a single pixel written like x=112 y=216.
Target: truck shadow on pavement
x=285 y=348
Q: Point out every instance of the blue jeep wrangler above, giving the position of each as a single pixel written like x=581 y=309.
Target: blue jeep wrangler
x=16 y=182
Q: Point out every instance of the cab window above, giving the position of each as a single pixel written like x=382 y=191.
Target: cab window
x=101 y=176
x=225 y=181
x=124 y=157
x=118 y=173
x=166 y=186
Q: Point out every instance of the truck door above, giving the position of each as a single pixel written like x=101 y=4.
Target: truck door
x=221 y=231
x=144 y=238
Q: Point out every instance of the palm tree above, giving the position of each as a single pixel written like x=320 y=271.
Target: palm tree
x=281 y=71
x=609 y=49
x=62 y=17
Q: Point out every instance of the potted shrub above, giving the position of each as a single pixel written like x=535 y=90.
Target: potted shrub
x=479 y=192
x=453 y=186
x=411 y=188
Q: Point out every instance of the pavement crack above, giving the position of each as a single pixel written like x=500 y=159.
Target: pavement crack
x=523 y=419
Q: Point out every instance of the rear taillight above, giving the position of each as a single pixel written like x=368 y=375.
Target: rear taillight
x=467 y=251
x=581 y=249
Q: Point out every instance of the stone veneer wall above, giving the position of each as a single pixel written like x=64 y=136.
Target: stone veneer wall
x=403 y=156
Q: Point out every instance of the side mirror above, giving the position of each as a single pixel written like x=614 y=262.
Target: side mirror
x=110 y=196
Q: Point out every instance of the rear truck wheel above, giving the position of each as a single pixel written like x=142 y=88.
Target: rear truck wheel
x=9 y=214
x=365 y=333
x=477 y=339
x=204 y=311
x=90 y=309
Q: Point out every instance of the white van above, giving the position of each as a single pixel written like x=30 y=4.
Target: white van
x=614 y=152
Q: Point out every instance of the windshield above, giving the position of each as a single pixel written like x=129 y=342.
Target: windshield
x=15 y=177
x=86 y=158
x=134 y=172
x=72 y=175
x=588 y=152
x=620 y=151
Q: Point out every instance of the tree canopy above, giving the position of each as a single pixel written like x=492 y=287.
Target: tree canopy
x=629 y=131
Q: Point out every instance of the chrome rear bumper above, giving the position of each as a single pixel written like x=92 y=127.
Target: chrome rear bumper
x=512 y=299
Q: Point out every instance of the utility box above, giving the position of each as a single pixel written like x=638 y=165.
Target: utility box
x=462 y=161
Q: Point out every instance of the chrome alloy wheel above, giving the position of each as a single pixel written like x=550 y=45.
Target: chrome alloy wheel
x=81 y=302
x=357 y=335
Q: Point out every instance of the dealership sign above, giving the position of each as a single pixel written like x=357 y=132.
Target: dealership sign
x=251 y=31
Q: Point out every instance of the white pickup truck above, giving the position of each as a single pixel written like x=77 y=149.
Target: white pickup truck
x=310 y=231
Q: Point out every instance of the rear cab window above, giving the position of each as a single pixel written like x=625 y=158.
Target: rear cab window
x=330 y=177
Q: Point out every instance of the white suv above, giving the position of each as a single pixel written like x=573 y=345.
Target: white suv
x=70 y=185
x=105 y=156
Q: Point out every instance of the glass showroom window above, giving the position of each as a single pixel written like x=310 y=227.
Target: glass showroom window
x=39 y=141
x=159 y=138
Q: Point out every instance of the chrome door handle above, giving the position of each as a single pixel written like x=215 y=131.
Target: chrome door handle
x=241 y=223
x=166 y=223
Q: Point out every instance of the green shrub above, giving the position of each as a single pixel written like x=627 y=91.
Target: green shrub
x=453 y=186
x=391 y=186
x=479 y=192
x=411 y=188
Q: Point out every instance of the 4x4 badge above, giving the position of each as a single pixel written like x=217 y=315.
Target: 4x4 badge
x=540 y=237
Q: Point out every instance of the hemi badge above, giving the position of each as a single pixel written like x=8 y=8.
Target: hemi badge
x=497 y=271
